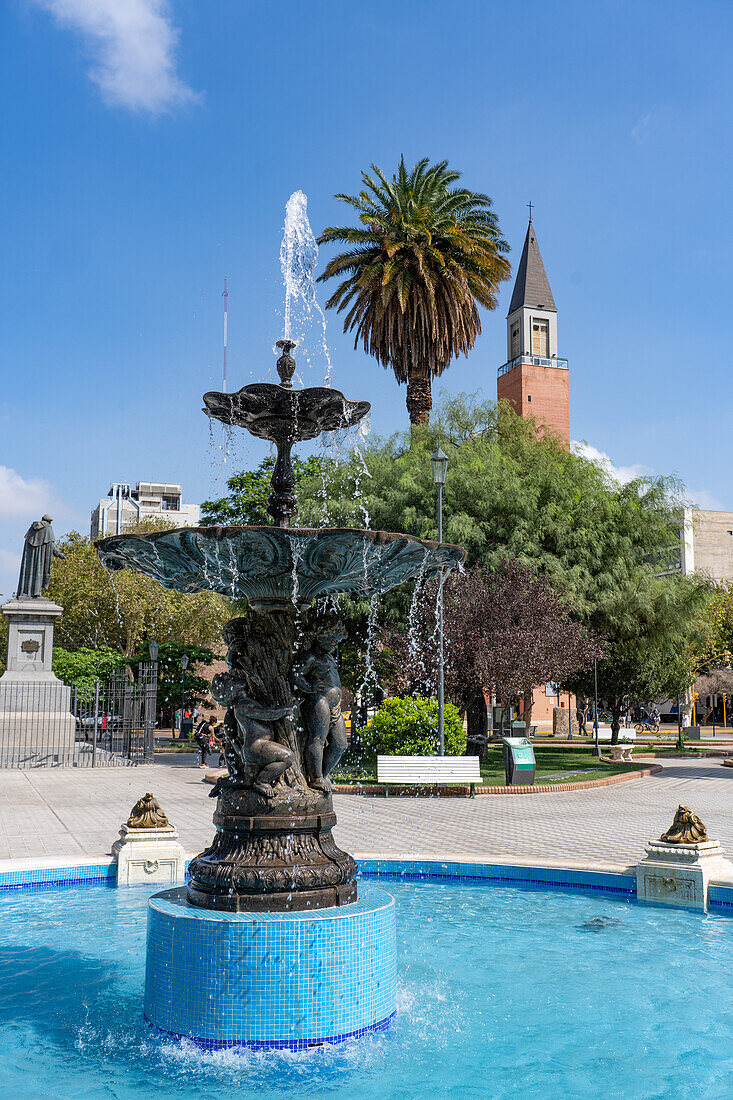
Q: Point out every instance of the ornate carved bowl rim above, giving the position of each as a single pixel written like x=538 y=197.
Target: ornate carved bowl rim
x=278 y=413
x=275 y=565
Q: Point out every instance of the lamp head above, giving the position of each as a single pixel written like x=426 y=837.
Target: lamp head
x=154 y=649
x=439 y=462
x=184 y=661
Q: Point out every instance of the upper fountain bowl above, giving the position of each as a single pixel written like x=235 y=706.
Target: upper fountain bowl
x=280 y=413
x=275 y=565
x=285 y=415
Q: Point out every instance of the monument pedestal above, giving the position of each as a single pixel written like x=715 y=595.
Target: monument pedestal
x=679 y=874
x=35 y=706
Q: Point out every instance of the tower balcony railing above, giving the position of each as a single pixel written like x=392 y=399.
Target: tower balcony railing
x=533 y=361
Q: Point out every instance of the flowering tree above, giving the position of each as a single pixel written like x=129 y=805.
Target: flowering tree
x=506 y=632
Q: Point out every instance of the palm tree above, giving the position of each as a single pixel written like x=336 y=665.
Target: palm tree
x=422 y=260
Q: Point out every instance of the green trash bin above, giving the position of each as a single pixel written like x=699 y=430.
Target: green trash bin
x=519 y=761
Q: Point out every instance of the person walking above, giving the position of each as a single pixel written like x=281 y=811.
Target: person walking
x=203 y=737
x=219 y=747
x=581 y=716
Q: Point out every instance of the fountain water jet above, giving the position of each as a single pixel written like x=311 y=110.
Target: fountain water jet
x=298 y=260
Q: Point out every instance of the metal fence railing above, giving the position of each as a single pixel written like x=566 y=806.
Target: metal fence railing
x=107 y=724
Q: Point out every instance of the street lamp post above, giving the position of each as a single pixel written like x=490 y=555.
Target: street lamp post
x=439 y=462
x=151 y=706
x=596 y=748
x=184 y=666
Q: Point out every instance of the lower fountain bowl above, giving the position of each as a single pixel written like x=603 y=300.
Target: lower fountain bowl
x=270 y=980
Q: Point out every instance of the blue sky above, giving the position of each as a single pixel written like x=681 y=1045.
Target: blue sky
x=149 y=149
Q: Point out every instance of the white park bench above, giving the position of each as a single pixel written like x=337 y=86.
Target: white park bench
x=432 y=770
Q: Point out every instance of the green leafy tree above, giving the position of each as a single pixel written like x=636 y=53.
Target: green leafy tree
x=246 y=502
x=511 y=494
x=719 y=615
x=408 y=726
x=424 y=256
x=173 y=688
x=652 y=628
x=126 y=610
x=83 y=668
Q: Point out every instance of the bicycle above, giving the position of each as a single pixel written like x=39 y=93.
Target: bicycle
x=647 y=726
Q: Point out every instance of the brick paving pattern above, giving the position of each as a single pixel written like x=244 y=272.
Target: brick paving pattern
x=57 y=813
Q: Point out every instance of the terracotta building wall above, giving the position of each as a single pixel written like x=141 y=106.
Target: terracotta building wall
x=543 y=706
x=509 y=388
x=549 y=391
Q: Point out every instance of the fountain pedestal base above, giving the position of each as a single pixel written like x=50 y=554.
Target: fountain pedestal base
x=272 y=855
x=279 y=980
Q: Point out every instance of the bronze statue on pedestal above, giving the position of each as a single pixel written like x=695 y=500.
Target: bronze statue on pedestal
x=38 y=552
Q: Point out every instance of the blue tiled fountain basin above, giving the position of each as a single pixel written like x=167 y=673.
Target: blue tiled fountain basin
x=270 y=979
x=502 y=990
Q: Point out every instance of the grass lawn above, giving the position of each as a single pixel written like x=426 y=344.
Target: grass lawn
x=573 y=764
x=567 y=765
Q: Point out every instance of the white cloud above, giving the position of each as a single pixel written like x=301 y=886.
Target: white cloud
x=703 y=499
x=9 y=562
x=620 y=474
x=132 y=46
x=695 y=498
x=21 y=497
x=640 y=131
x=9 y=573
x=21 y=501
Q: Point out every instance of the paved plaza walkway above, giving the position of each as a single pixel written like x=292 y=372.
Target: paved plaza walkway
x=57 y=813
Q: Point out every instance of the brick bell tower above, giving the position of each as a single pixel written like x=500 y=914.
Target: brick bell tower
x=533 y=379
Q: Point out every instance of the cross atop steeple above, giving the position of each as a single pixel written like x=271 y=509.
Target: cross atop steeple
x=529 y=204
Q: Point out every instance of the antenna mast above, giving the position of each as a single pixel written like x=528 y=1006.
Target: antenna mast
x=225 y=296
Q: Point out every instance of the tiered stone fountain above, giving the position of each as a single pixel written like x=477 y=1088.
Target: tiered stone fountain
x=269 y=943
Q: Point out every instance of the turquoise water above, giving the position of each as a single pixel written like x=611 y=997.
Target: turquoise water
x=502 y=992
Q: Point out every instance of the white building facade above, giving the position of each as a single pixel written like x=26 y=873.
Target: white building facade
x=124 y=506
x=705 y=546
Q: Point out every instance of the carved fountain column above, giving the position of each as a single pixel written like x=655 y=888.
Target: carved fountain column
x=271 y=852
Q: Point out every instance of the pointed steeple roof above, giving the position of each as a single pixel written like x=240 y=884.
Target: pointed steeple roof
x=532 y=287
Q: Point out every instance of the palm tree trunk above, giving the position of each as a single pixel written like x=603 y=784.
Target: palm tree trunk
x=419 y=400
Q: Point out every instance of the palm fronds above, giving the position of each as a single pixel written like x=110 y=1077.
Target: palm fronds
x=424 y=256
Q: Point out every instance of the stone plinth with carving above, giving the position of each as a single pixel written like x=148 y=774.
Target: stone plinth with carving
x=679 y=872
x=148 y=850
x=35 y=706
